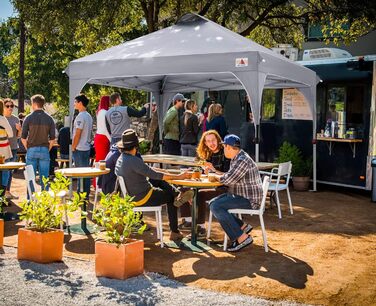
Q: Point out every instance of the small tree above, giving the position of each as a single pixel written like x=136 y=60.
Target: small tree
x=45 y=210
x=116 y=215
x=300 y=166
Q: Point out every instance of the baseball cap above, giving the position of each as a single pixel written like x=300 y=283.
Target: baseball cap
x=129 y=138
x=179 y=96
x=232 y=140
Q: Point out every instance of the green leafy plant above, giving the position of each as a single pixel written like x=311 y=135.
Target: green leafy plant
x=3 y=201
x=45 y=210
x=300 y=165
x=115 y=213
x=144 y=146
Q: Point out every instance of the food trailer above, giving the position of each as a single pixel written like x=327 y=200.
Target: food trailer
x=346 y=123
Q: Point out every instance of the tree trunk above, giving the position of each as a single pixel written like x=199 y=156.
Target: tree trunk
x=21 y=69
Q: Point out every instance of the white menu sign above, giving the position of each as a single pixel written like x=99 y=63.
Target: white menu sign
x=295 y=106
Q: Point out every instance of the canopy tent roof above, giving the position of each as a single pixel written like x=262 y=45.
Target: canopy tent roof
x=194 y=54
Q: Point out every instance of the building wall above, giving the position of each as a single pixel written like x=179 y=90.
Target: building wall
x=364 y=46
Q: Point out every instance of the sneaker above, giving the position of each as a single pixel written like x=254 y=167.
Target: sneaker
x=236 y=246
x=248 y=228
x=11 y=196
x=185 y=225
x=176 y=236
x=201 y=232
x=183 y=197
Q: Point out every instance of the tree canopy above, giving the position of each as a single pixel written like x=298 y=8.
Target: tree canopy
x=58 y=32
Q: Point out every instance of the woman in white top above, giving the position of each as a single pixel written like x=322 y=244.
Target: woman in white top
x=102 y=137
x=5 y=150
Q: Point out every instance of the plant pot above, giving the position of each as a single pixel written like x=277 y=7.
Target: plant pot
x=40 y=247
x=301 y=183
x=121 y=262
x=1 y=233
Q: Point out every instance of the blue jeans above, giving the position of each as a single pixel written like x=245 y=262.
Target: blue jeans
x=39 y=158
x=82 y=159
x=13 y=159
x=188 y=150
x=220 y=205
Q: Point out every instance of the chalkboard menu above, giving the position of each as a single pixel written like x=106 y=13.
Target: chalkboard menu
x=295 y=106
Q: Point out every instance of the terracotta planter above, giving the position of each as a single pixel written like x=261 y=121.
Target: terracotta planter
x=40 y=247
x=1 y=233
x=301 y=183
x=121 y=262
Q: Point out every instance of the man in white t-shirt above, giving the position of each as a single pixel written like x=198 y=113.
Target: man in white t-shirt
x=82 y=127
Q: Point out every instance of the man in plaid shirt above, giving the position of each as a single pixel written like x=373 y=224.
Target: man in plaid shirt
x=244 y=192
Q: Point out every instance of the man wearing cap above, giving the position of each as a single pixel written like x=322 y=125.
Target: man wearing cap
x=136 y=175
x=82 y=128
x=118 y=117
x=171 y=144
x=244 y=192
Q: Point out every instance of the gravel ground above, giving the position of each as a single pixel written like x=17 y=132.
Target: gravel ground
x=73 y=282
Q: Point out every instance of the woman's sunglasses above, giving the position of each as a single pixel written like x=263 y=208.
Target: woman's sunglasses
x=9 y=106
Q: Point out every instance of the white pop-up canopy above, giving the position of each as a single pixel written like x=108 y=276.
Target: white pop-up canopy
x=194 y=54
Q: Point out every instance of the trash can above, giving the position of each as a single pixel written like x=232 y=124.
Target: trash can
x=373 y=165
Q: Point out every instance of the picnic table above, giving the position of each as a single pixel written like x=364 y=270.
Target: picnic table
x=195 y=184
x=81 y=173
x=190 y=161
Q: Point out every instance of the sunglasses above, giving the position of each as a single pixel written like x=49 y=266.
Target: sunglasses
x=9 y=106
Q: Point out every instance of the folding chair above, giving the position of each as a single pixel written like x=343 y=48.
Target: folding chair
x=156 y=209
x=240 y=212
x=277 y=175
x=32 y=187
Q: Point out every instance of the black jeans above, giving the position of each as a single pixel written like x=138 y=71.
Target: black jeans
x=171 y=147
x=165 y=194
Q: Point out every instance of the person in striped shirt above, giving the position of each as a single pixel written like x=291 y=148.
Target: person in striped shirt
x=244 y=192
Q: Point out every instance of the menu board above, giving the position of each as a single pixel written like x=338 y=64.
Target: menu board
x=295 y=106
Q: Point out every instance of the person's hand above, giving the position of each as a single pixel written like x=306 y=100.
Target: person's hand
x=18 y=127
x=147 y=105
x=184 y=176
x=207 y=167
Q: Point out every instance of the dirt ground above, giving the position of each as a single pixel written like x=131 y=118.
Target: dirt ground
x=325 y=253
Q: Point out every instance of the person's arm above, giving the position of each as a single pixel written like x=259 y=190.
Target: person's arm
x=167 y=120
x=18 y=128
x=236 y=172
x=195 y=125
x=5 y=124
x=108 y=127
x=76 y=139
x=136 y=113
x=25 y=132
x=52 y=134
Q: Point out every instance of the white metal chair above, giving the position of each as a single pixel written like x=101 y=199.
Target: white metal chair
x=277 y=175
x=240 y=212
x=29 y=175
x=98 y=190
x=156 y=209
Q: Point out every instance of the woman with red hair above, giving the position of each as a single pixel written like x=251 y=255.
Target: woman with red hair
x=102 y=137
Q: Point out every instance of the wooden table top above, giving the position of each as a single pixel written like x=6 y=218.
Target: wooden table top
x=202 y=182
x=12 y=165
x=191 y=161
x=266 y=166
x=351 y=140
x=171 y=159
x=83 y=172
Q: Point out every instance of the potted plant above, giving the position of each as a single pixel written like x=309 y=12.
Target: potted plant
x=301 y=167
x=118 y=256
x=3 y=201
x=144 y=146
x=40 y=241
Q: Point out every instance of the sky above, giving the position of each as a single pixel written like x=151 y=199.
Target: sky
x=6 y=9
